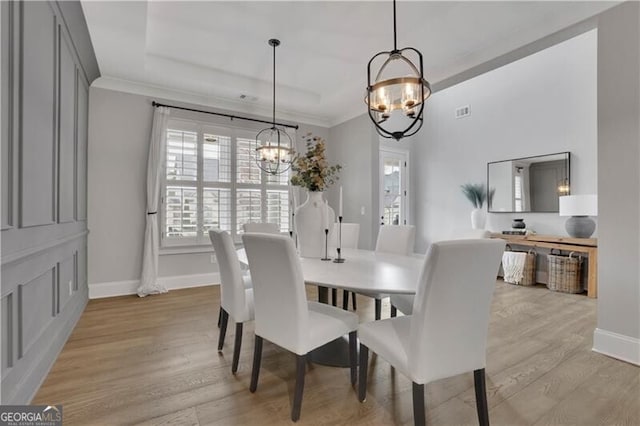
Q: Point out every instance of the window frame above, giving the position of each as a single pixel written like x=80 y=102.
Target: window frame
x=202 y=127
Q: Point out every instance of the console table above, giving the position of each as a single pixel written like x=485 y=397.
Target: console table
x=588 y=246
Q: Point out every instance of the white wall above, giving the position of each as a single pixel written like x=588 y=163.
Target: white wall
x=618 y=332
x=354 y=145
x=119 y=131
x=541 y=104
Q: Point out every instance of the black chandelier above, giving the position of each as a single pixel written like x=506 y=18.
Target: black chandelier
x=274 y=147
x=396 y=102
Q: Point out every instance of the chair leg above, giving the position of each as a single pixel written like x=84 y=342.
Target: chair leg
x=345 y=300
x=301 y=364
x=362 y=381
x=219 y=316
x=353 y=301
x=236 y=348
x=223 y=329
x=418 y=405
x=394 y=311
x=481 y=397
x=257 y=357
x=353 y=355
x=378 y=309
x=334 y=296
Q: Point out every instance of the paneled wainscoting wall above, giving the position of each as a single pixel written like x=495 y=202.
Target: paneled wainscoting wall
x=47 y=66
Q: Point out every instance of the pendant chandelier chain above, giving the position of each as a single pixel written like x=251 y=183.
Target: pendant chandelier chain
x=395 y=32
x=274 y=84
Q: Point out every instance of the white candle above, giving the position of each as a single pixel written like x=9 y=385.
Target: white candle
x=340 y=205
x=325 y=218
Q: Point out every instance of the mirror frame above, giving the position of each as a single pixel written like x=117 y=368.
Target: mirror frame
x=568 y=154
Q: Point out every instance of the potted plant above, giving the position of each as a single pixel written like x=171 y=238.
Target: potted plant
x=313 y=172
x=477 y=194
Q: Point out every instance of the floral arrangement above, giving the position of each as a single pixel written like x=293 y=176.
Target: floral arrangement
x=311 y=170
x=477 y=194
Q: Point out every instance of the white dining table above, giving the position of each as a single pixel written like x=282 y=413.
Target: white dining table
x=363 y=271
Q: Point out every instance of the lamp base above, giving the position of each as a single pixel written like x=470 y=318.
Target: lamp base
x=580 y=226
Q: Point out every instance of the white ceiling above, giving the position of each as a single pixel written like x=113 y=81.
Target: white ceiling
x=213 y=52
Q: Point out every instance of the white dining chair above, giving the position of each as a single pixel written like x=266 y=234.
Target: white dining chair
x=236 y=294
x=396 y=239
x=283 y=314
x=447 y=333
x=404 y=302
x=349 y=240
x=262 y=227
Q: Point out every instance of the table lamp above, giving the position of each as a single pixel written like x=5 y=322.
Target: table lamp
x=579 y=207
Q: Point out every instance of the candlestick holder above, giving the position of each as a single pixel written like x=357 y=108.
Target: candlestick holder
x=326 y=245
x=339 y=259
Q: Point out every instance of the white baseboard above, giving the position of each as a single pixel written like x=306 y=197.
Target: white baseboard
x=619 y=346
x=123 y=288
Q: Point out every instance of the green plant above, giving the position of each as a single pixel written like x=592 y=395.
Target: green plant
x=311 y=170
x=476 y=193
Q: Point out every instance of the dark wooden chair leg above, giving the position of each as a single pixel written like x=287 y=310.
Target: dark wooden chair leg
x=257 y=357
x=353 y=355
x=219 y=316
x=301 y=364
x=378 y=309
x=353 y=301
x=481 y=397
x=334 y=296
x=345 y=300
x=236 y=348
x=418 y=405
x=362 y=381
x=223 y=329
x=394 y=311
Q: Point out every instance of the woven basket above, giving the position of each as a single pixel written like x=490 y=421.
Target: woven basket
x=529 y=275
x=564 y=273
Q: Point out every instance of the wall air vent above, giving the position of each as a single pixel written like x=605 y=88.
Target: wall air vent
x=463 y=111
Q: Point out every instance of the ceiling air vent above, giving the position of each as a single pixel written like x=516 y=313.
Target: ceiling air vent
x=248 y=97
x=463 y=111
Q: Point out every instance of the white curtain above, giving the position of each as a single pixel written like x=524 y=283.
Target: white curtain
x=155 y=165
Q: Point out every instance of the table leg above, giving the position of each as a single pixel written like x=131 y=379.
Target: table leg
x=592 y=279
x=336 y=352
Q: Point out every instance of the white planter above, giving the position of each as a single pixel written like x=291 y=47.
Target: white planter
x=312 y=217
x=478 y=218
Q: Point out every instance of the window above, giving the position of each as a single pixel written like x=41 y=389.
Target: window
x=518 y=193
x=212 y=181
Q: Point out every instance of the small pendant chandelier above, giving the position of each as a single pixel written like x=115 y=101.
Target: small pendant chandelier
x=274 y=153
x=396 y=97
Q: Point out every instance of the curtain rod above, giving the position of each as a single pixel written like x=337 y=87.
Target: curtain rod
x=157 y=104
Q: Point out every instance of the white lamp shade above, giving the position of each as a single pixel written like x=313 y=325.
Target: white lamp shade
x=579 y=205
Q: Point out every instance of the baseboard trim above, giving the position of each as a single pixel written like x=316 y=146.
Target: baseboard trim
x=619 y=346
x=123 y=288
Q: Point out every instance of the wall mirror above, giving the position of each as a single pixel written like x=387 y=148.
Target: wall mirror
x=528 y=185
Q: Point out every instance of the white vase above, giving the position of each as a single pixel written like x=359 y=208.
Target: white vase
x=478 y=218
x=312 y=218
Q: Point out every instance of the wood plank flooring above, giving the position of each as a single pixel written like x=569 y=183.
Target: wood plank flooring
x=154 y=361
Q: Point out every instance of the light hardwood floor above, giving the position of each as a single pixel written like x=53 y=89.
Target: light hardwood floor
x=154 y=361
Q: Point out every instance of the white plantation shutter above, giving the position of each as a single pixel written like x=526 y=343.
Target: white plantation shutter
x=212 y=181
x=248 y=207
x=278 y=208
